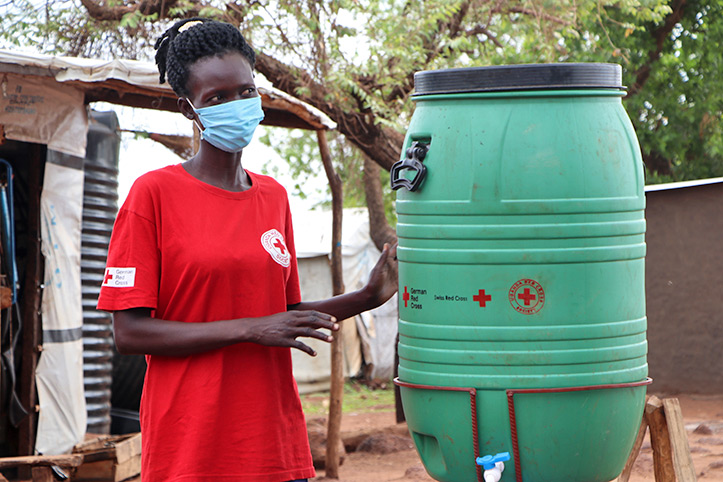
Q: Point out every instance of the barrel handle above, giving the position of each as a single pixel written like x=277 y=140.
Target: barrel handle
x=413 y=162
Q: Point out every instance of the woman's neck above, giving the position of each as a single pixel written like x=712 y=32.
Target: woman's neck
x=218 y=168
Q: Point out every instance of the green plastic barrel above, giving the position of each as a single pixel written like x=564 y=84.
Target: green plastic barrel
x=521 y=272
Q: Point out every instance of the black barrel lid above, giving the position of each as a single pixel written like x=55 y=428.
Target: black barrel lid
x=519 y=77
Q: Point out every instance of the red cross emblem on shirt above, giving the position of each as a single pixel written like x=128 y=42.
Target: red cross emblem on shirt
x=280 y=246
x=273 y=242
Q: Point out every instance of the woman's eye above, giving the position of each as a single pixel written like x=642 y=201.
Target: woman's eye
x=250 y=91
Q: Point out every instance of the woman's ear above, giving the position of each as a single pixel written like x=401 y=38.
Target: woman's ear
x=185 y=108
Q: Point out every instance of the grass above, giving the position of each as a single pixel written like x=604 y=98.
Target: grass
x=358 y=398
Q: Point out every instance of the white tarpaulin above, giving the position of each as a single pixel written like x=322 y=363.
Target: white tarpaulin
x=124 y=75
x=373 y=333
x=65 y=69
x=59 y=375
x=40 y=110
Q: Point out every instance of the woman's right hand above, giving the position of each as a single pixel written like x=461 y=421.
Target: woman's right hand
x=136 y=332
x=284 y=329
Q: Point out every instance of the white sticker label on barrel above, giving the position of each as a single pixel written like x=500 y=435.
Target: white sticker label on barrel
x=527 y=296
x=411 y=297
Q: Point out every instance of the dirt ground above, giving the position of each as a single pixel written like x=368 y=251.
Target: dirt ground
x=378 y=431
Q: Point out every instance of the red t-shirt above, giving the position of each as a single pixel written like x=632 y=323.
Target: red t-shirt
x=196 y=253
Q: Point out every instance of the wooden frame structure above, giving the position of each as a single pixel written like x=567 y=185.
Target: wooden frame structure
x=671 y=452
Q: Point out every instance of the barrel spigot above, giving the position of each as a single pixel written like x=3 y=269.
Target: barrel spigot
x=493 y=465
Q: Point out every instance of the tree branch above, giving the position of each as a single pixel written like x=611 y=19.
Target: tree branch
x=106 y=13
x=532 y=13
x=660 y=35
x=382 y=144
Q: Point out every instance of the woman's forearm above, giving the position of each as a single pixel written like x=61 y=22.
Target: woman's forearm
x=342 y=306
x=136 y=332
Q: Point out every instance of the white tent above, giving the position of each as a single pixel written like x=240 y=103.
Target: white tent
x=371 y=335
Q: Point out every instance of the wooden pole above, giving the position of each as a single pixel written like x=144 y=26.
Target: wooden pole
x=627 y=470
x=333 y=431
x=682 y=460
x=659 y=440
x=671 y=453
x=30 y=312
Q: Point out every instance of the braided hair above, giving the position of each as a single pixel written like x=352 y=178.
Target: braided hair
x=192 y=39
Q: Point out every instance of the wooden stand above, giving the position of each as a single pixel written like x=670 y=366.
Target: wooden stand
x=109 y=458
x=41 y=466
x=672 y=461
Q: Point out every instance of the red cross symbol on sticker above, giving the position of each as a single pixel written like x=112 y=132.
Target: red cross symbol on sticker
x=405 y=296
x=527 y=296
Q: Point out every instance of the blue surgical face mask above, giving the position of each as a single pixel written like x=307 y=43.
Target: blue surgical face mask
x=231 y=125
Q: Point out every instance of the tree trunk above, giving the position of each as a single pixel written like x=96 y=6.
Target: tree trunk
x=333 y=433
x=379 y=228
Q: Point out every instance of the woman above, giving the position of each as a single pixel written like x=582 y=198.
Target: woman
x=202 y=278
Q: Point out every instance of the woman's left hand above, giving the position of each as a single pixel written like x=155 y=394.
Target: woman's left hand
x=384 y=278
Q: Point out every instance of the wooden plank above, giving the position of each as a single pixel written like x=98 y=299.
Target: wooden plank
x=108 y=470
x=128 y=448
x=32 y=324
x=109 y=458
x=90 y=445
x=63 y=461
x=95 y=471
x=625 y=474
x=117 y=447
x=129 y=468
x=682 y=460
x=43 y=474
x=660 y=440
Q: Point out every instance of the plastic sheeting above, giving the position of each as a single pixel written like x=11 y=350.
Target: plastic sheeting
x=136 y=74
x=59 y=375
x=372 y=334
x=40 y=110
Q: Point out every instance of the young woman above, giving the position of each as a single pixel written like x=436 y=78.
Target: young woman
x=202 y=278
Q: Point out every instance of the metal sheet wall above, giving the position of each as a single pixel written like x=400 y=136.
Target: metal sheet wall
x=100 y=205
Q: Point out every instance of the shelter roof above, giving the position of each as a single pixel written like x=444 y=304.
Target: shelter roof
x=683 y=184
x=135 y=83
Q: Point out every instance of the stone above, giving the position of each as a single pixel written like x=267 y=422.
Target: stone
x=703 y=429
x=416 y=472
x=384 y=443
x=711 y=441
x=316 y=429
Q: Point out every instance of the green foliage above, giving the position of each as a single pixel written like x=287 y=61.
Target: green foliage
x=63 y=27
x=357 y=398
x=362 y=55
x=678 y=110
x=300 y=149
x=372 y=48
